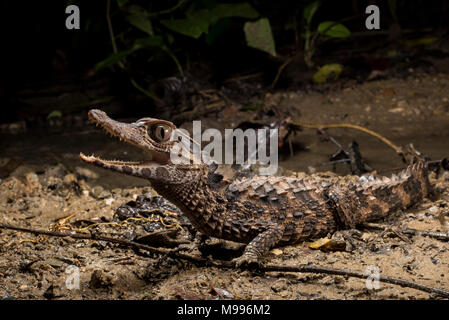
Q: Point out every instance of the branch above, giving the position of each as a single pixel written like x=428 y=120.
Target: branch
x=436 y=235
x=357 y=274
x=85 y=236
x=353 y=126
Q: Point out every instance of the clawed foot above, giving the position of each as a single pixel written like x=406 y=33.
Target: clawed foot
x=246 y=262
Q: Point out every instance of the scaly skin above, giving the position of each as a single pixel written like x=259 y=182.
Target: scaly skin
x=263 y=211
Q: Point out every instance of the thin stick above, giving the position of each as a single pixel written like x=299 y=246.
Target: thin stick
x=352 y=126
x=229 y=264
x=111 y=31
x=436 y=235
x=356 y=274
x=85 y=236
x=281 y=68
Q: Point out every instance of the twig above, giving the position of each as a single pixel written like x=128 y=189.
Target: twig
x=436 y=235
x=228 y=264
x=148 y=93
x=317 y=34
x=85 y=236
x=433 y=165
x=331 y=163
x=174 y=8
x=352 y=126
x=245 y=77
x=281 y=68
x=111 y=31
x=356 y=274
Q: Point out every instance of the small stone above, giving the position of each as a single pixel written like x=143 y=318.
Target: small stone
x=284 y=293
x=445 y=176
x=434 y=210
x=396 y=110
x=279 y=286
x=69 y=179
x=277 y=252
x=367 y=237
x=31 y=178
x=32 y=181
x=22 y=170
x=96 y=191
x=55 y=263
x=86 y=173
x=100 y=279
x=116 y=191
x=58 y=171
x=109 y=201
x=104 y=194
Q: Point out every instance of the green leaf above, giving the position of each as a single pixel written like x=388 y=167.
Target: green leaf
x=121 y=3
x=327 y=70
x=333 y=30
x=193 y=27
x=393 y=5
x=113 y=59
x=227 y=10
x=259 y=36
x=420 y=41
x=54 y=114
x=154 y=41
x=310 y=10
x=218 y=29
x=138 y=17
x=198 y=22
x=251 y=107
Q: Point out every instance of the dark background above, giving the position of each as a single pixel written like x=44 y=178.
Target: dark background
x=42 y=60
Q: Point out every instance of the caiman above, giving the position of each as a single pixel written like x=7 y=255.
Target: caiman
x=262 y=211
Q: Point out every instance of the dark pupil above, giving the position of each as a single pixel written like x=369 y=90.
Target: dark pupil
x=162 y=132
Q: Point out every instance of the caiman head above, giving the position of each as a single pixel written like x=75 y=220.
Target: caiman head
x=153 y=136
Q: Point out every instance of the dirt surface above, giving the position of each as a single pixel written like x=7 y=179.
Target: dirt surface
x=45 y=186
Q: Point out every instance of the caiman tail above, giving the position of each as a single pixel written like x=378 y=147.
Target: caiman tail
x=372 y=200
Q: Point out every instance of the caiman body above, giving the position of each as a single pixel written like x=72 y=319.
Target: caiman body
x=262 y=211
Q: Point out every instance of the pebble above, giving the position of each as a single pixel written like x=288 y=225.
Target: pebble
x=100 y=279
x=96 y=191
x=279 y=286
x=367 y=237
x=32 y=181
x=58 y=171
x=277 y=252
x=434 y=210
x=396 y=110
x=104 y=194
x=32 y=178
x=69 y=179
x=86 y=173
x=116 y=191
x=445 y=176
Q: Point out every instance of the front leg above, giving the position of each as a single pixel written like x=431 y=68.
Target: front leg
x=259 y=246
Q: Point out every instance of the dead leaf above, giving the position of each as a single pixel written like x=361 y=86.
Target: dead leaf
x=327 y=244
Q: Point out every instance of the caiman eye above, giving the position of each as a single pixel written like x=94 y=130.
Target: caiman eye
x=160 y=132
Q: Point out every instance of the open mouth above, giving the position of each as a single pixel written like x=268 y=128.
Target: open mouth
x=127 y=132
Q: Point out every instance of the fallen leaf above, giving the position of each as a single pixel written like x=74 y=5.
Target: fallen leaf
x=327 y=244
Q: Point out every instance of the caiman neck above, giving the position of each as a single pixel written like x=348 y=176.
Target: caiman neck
x=194 y=192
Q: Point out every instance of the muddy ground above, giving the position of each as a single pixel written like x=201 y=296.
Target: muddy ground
x=46 y=186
